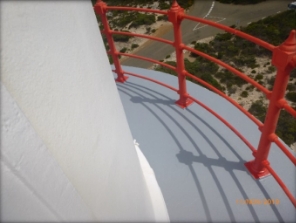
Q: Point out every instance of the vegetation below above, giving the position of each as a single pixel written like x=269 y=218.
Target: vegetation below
x=133 y=3
x=241 y=54
x=228 y=48
x=286 y=128
x=241 y=2
x=120 y=19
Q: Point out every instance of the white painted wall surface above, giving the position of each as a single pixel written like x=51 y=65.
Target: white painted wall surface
x=33 y=186
x=67 y=138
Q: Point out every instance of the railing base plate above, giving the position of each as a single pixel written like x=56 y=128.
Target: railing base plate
x=184 y=104
x=121 y=79
x=256 y=175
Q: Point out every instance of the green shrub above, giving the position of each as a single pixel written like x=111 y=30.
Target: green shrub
x=134 y=45
x=223 y=37
x=212 y=81
x=286 y=127
x=142 y=19
x=245 y=60
x=230 y=79
x=110 y=59
x=203 y=47
x=291 y=96
x=271 y=69
x=163 y=5
x=253 y=72
x=165 y=69
x=259 y=77
x=232 y=90
x=244 y=94
x=291 y=87
x=219 y=56
x=162 y=17
x=258 y=109
x=243 y=2
x=185 y=4
x=121 y=38
x=249 y=88
x=123 y=50
x=293 y=73
x=271 y=81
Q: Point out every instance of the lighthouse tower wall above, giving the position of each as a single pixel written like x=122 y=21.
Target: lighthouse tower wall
x=66 y=149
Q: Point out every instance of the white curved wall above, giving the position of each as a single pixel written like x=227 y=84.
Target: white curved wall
x=57 y=77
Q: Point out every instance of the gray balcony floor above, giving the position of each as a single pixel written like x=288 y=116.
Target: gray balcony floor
x=199 y=162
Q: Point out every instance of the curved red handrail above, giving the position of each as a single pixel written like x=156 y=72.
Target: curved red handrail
x=276 y=140
x=152 y=80
x=148 y=59
x=176 y=15
x=144 y=36
x=231 y=30
x=255 y=120
x=284 y=104
x=230 y=68
x=136 y=9
x=202 y=105
x=225 y=123
x=281 y=183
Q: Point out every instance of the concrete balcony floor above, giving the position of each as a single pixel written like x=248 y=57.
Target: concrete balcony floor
x=197 y=160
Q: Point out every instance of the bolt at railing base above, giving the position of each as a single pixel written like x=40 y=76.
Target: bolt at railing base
x=121 y=79
x=255 y=174
x=184 y=103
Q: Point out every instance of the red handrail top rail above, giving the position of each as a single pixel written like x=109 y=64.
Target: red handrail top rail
x=143 y=36
x=163 y=12
x=233 y=31
x=204 y=21
x=148 y=59
x=281 y=183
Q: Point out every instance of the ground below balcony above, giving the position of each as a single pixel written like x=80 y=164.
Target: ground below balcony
x=199 y=162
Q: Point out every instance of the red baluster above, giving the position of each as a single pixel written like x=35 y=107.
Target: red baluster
x=283 y=60
x=174 y=14
x=100 y=8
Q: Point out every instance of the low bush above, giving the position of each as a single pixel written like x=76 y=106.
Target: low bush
x=230 y=79
x=242 y=2
x=293 y=73
x=162 y=17
x=142 y=19
x=244 y=94
x=271 y=69
x=134 y=46
x=249 y=88
x=259 y=77
x=121 y=38
x=123 y=50
x=291 y=96
x=286 y=127
x=165 y=69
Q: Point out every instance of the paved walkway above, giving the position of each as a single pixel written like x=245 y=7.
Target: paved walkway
x=199 y=162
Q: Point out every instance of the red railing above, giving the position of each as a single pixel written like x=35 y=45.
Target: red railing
x=284 y=59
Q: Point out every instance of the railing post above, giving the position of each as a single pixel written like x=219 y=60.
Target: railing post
x=100 y=8
x=283 y=59
x=174 y=16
